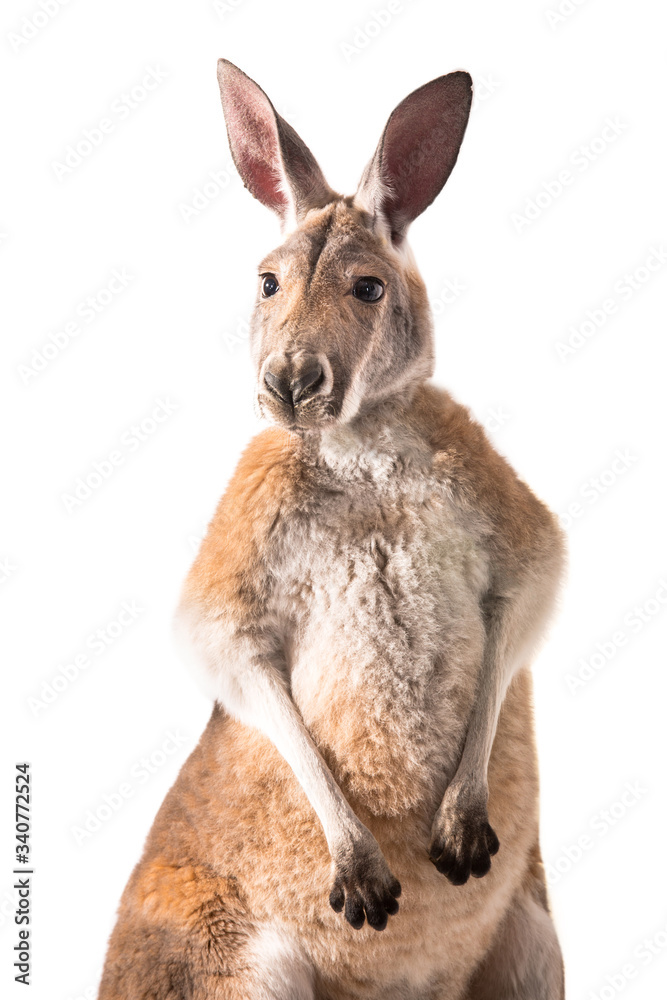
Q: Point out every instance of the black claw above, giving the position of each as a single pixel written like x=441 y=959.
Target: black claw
x=434 y=851
x=337 y=898
x=440 y=866
x=363 y=894
x=354 y=912
x=473 y=857
x=458 y=875
x=445 y=860
x=453 y=869
x=391 y=905
x=481 y=865
x=377 y=918
x=445 y=864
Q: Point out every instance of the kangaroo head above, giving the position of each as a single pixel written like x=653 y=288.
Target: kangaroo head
x=342 y=319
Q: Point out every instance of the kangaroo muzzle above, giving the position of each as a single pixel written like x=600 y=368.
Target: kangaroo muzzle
x=297 y=389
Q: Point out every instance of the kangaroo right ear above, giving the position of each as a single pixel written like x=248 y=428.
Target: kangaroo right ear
x=416 y=154
x=274 y=163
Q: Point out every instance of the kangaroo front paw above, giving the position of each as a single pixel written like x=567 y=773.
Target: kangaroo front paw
x=363 y=884
x=462 y=841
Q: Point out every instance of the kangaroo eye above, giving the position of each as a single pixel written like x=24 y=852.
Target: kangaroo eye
x=269 y=285
x=368 y=289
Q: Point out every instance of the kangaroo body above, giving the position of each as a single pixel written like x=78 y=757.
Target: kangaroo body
x=363 y=608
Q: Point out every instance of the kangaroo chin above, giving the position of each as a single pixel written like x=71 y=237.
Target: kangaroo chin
x=360 y=817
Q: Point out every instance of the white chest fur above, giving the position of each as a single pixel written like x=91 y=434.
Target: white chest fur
x=382 y=582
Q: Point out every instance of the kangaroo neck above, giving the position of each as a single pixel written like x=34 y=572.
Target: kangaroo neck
x=377 y=444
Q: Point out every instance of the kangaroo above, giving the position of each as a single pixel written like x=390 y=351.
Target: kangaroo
x=363 y=611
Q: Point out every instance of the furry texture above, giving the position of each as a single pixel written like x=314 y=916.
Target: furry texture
x=362 y=609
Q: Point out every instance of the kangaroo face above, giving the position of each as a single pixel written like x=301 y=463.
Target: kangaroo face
x=342 y=319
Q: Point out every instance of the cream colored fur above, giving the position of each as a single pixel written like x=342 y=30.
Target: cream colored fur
x=362 y=610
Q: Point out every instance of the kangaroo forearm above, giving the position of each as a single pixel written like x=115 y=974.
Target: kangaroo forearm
x=514 y=625
x=480 y=734
x=270 y=709
x=243 y=668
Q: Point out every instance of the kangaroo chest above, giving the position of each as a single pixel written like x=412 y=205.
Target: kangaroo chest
x=382 y=582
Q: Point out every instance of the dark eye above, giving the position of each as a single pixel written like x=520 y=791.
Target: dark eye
x=368 y=289
x=269 y=285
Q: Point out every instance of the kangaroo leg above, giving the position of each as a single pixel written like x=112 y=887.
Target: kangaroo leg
x=525 y=961
x=276 y=970
x=277 y=974
x=185 y=934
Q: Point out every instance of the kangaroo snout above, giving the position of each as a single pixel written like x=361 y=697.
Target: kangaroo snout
x=294 y=390
x=288 y=383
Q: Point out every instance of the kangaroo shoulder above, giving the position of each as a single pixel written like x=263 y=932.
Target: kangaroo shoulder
x=483 y=479
x=268 y=479
x=269 y=473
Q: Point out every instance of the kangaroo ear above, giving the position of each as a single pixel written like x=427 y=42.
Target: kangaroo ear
x=416 y=153
x=274 y=163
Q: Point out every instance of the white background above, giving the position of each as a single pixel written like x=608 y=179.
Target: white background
x=546 y=87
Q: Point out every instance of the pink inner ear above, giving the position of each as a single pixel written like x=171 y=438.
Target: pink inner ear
x=412 y=160
x=420 y=146
x=253 y=138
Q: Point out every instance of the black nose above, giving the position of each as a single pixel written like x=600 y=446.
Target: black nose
x=279 y=385
x=293 y=388
x=307 y=382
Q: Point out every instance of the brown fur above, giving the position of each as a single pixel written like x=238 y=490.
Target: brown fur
x=379 y=485
x=235 y=840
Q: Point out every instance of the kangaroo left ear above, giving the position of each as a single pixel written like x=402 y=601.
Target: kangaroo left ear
x=274 y=163
x=417 y=152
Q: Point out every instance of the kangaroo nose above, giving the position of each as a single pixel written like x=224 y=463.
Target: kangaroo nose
x=308 y=382
x=280 y=385
x=293 y=388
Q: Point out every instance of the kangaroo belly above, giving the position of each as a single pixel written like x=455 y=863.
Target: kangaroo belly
x=388 y=644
